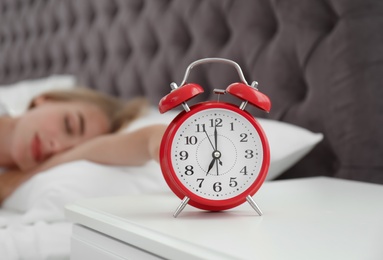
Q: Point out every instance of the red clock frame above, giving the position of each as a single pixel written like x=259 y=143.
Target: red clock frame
x=175 y=184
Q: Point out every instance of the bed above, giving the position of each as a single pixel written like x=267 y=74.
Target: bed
x=318 y=61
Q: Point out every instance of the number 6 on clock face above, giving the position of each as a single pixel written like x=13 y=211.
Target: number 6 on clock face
x=216 y=154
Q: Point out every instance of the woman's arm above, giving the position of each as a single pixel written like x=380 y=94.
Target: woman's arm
x=133 y=149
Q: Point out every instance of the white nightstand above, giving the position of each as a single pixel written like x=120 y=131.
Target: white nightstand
x=314 y=218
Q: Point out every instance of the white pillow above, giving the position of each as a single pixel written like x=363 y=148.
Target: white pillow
x=46 y=194
x=16 y=97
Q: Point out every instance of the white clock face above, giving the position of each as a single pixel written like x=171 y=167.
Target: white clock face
x=217 y=154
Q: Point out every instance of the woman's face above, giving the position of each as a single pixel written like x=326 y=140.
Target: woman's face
x=53 y=127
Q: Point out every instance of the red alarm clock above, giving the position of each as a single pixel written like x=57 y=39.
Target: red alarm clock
x=214 y=155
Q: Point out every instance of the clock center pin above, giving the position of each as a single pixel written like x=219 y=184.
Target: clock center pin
x=216 y=154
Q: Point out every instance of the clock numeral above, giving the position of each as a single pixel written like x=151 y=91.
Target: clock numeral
x=249 y=154
x=231 y=126
x=201 y=181
x=244 y=170
x=200 y=128
x=216 y=122
x=184 y=155
x=191 y=140
x=217 y=187
x=244 y=137
x=189 y=170
x=233 y=183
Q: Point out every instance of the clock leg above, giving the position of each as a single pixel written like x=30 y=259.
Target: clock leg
x=254 y=205
x=181 y=206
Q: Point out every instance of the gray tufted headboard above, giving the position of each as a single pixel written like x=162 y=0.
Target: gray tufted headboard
x=320 y=61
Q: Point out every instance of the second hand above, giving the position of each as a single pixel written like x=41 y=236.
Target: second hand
x=209 y=140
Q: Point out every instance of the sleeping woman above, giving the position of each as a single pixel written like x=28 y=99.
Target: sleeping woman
x=70 y=125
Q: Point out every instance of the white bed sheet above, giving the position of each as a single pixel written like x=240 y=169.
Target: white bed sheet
x=32 y=221
x=37 y=241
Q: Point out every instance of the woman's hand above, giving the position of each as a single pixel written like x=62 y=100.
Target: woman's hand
x=11 y=180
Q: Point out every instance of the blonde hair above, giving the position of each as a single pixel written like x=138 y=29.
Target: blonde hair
x=118 y=112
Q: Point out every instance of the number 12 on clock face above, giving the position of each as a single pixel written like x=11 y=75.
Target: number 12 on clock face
x=216 y=154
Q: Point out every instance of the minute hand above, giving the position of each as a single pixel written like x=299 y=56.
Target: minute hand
x=216 y=143
x=215 y=138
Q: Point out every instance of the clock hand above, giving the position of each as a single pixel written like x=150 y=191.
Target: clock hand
x=215 y=137
x=209 y=139
x=210 y=166
x=217 y=167
x=216 y=144
x=215 y=158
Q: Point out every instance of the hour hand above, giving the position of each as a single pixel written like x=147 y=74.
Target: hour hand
x=210 y=166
